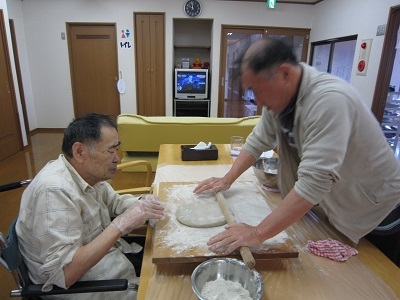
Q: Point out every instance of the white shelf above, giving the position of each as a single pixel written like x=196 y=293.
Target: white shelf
x=192 y=39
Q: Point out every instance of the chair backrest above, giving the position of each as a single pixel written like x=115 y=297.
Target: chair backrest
x=11 y=256
x=136 y=190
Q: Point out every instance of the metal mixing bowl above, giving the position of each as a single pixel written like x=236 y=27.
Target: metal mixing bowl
x=266 y=171
x=228 y=269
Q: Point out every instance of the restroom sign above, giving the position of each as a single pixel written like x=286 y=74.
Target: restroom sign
x=125 y=45
x=125 y=41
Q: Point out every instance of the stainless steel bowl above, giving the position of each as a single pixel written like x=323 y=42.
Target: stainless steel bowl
x=266 y=171
x=228 y=269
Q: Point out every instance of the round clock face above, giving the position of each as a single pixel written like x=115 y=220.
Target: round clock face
x=192 y=8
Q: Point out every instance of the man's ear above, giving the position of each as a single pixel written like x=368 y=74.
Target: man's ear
x=285 y=70
x=79 y=151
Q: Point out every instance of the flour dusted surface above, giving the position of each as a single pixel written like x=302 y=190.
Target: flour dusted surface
x=244 y=200
x=222 y=289
x=179 y=238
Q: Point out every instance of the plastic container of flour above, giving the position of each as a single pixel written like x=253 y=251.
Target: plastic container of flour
x=226 y=278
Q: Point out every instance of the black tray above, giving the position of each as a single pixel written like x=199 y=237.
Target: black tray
x=204 y=154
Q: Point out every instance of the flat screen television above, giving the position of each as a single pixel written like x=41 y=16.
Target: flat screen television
x=191 y=84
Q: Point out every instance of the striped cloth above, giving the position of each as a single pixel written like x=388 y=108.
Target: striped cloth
x=332 y=249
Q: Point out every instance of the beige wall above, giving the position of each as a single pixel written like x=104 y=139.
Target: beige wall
x=44 y=55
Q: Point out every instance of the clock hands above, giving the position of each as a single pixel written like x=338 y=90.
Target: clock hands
x=192 y=8
x=191 y=4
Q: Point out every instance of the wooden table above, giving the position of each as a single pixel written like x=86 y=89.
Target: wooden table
x=368 y=275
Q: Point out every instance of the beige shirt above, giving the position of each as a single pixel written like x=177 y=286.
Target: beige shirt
x=343 y=162
x=59 y=213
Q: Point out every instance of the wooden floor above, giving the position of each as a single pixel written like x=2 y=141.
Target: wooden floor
x=26 y=164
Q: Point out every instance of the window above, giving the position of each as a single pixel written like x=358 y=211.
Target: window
x=334 y=56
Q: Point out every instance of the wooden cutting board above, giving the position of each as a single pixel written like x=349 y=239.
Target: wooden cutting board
x=177 y=243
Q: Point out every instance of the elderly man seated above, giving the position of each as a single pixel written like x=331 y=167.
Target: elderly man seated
x=65 y=227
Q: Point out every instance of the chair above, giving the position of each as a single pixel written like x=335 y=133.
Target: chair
x=11 y=258
x=14 y=185
x=148 y=189
x=138 y=190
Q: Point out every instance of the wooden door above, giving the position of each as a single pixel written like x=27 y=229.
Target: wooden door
x=387 y=63
x=150 y=64
x=19 y=75
x=10 y=134
x=387 y=112
x=94 y=68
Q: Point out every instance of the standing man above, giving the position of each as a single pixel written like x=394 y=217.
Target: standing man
x=64 y=228
x=331 y=148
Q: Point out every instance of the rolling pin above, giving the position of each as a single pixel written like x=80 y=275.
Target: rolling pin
x=244 y=251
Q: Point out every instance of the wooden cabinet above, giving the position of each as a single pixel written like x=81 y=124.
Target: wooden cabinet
x=191 y=108
x=150 y=64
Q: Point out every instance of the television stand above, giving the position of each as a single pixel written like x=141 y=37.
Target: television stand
x=192 y=107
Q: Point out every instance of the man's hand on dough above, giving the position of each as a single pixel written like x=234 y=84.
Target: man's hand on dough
x=235 y=236
x=214 y=184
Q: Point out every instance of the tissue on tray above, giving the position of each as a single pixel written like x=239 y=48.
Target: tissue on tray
x=187 y=153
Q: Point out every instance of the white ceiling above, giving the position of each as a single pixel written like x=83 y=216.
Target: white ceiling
x=310 y=2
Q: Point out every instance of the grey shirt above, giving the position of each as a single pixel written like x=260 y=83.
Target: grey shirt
x=59 y=213
x=342 y=161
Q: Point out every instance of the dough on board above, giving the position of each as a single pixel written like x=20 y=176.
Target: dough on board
x=200 y=214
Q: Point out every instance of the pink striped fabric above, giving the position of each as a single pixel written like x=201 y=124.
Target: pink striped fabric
x=332 y=249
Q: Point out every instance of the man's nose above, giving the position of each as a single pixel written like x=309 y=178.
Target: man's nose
x=116 y=158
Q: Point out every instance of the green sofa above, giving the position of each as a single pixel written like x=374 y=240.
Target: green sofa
x=141 y=136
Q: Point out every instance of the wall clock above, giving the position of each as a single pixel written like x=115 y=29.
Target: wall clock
x=192 y=8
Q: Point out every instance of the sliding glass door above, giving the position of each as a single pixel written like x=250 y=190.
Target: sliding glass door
x=233 y=101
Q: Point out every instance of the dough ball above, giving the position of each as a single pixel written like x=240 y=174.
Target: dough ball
x=201 y=214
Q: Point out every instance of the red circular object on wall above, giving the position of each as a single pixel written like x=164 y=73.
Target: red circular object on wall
x=361 y=65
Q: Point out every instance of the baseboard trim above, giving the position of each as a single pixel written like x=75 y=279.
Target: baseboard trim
x=46 y=130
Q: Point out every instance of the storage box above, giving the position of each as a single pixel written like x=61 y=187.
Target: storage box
x=185 y=63
x=203 y=154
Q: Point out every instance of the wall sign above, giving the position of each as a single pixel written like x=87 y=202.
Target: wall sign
x=125 y=42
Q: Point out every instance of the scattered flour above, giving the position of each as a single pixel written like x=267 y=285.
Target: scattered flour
x=221 y=289
x=244 y=200
x=178 y=237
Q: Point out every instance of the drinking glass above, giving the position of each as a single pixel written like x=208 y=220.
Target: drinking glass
x=236 y=145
